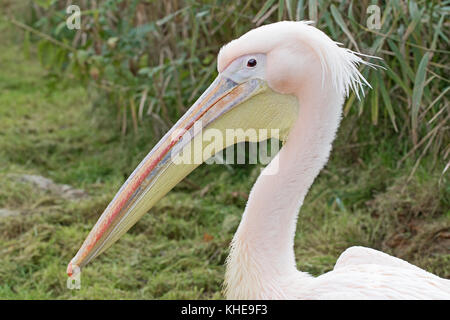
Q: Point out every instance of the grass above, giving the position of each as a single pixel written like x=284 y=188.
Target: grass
x=177 y=251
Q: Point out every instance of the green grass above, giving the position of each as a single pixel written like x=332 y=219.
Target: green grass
x=177 y=251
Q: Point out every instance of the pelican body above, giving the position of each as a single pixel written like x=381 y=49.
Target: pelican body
x=292 y=77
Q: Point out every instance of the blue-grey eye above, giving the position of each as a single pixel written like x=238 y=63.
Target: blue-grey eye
x=251 y=63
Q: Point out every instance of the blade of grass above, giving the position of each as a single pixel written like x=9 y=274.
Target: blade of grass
x=289 y=9
x=263 y=10
x=340 y=21
x=299 y=10
x=267 y=15
x=397 y=80
x=406 y=69
x=349 y=103
x=417 y=94
x=280 y=9
x=374 y=101
x=387 y=101
x=133 y=115
x=312 y=10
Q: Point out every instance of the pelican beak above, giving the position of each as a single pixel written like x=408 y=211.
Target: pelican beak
x=225 y=104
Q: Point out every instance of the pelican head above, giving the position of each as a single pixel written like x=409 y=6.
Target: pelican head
x=262 y=78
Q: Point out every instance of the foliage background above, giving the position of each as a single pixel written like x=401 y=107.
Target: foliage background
x=147 y=55
x=89 y=103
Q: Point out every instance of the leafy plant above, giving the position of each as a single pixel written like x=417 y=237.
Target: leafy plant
x=153 y=58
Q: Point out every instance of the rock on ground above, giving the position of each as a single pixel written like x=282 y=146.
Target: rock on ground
x=63 y=190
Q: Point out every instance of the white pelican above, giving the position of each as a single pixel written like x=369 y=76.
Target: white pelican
x=289 y=76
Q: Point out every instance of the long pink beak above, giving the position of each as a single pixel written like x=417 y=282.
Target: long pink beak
x=157 y=174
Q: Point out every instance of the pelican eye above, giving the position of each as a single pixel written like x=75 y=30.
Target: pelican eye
x=251 y=63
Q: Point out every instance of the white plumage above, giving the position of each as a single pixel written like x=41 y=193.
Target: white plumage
x=261 y=265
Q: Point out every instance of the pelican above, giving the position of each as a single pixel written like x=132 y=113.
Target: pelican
x=292 y=77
